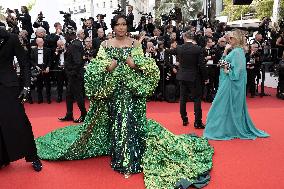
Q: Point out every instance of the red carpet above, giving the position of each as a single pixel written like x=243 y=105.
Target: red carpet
x=238 y=164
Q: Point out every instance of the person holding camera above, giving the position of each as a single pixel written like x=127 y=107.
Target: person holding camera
x=12 y=22
x=25 y=18
x=253 y=58
x=130 y=19
x=41 y=23
x=59 y=60
x=16 y=135
x=263 y=27
x=199 y=23
x=41 y=59
x=90 y=31
x=100 y=23
x=89 y=51
x=68 y=22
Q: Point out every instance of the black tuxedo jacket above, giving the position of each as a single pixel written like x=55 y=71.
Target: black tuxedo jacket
x=94 y=32
x=11 y=48
x=192 y=64
x=47 y=57
x=74 y=64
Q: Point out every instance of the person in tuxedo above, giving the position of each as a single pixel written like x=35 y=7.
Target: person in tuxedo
x=25 y=18
x=130 y=19
x=90 y=30
x=59 y=59
x=74 y=69
x=100 y=23
x=16 y=136
x=41 y=23
x=41 y=59
x=199 y=23
x=191 y=74
x=98 y=40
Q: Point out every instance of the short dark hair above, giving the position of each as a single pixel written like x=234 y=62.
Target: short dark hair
x=56 y=24
x=116 y=18
x=189 y=35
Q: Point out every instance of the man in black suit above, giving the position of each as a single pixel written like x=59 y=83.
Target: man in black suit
x=74 y=68
x=130 y=19
x=191 y=74
x=90 y=30
x=16 y=136
x=41 y=59
x=41 y=23
x=97 y=41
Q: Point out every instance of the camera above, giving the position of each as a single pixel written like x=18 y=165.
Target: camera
x=9 y=11
x=40 y=17
x=102 y=16
x=119 y=10
x=66 y=15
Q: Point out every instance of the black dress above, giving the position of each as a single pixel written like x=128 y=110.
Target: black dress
x=16 y=136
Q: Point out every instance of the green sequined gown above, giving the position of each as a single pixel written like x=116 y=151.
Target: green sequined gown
x=116 y=125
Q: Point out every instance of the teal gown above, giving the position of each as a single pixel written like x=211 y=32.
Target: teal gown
x=116 y=126
x=228 y=117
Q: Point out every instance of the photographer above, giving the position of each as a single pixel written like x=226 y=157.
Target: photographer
x=12 y=22
x=89 y=51
x=264 y=27
x=199 y=23
x=280 y=43
x=25 y=18
x=130 y=19
x=41 y=59
x=41 y=23
x=59 y=59
x=90 y=31
x=97 y=41
x=253 y=58
x=68 y=22
x=100 y=23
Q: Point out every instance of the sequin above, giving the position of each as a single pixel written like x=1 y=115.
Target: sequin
x=116 y=125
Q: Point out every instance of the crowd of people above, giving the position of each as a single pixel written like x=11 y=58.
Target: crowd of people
x=49 y=68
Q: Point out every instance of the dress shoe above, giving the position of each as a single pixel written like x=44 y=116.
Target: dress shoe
x=199 y=125
x=66 y=118
x=185 y=122
x=37 y=165
x=59 y=99
x=48 y=101
x=40 y=101
x=80 y=119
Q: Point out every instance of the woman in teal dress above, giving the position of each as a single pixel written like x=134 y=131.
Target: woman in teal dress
x=228 y=116
x=117 y=83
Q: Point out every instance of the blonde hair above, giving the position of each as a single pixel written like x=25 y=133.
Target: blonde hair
x=240 y=36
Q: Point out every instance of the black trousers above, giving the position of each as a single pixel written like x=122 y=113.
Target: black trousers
x=43 y=80
x=251 y=75
x=16 y=136
x=196 y=92
x=75 y=91
x=60 y=80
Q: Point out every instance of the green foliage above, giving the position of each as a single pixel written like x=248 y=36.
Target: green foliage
x=2 y=13
x=31 y=4
x=261 y=8
x=189 y=8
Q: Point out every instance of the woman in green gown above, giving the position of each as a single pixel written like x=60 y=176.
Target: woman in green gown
x=228 y=116
x=117 y=83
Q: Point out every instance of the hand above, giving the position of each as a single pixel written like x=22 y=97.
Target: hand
x=47 y=70
x=38 y=68
x=206 y=81
x=228 y=46
x=208 y=57
x=112 y=66
x=174 y=70
x=226 y=70
x=24 y=94
x=130 y=62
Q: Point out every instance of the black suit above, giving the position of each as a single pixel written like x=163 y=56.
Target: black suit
x=191 y=74
x=74 y=67
x=43 y=24
x=91 y=32
x=44 y=78
x=16 y=136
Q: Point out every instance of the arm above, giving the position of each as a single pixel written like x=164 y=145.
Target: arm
x=23 y=61
x=201 y=65
x=278 y=42
x=238 y=65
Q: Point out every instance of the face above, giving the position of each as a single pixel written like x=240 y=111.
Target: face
x=209 y=33
x=40 y=34
x=89 y=23
x=101 y=33
x=81 y=35
x=233 y=41
x=60 y=44
x=174 y=45
x=88 y=42
x=173 y=36
x=254 y=48
x=120 y=27
x=222 y=42
x=109 y=35
x=156 y=32
x=58 y=27
x=210 y=43
x=39 y=42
